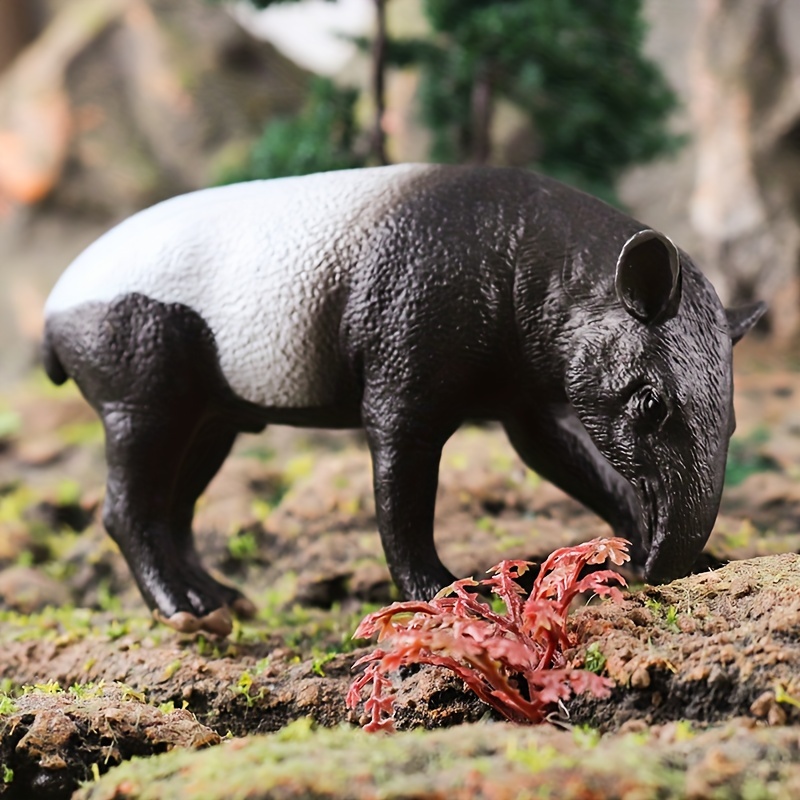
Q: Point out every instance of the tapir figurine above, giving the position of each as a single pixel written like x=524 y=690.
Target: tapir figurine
x=404 y=300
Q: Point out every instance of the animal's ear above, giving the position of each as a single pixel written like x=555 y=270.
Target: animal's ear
x=648 y=279
x=740 y=320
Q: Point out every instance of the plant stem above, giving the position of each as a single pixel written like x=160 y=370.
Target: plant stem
x=378 y=143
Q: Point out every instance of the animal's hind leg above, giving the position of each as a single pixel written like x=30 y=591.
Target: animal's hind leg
x=208 y=451
x=145 y=450
x=151 y=370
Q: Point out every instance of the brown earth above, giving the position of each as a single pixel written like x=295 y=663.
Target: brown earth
x=291 y=519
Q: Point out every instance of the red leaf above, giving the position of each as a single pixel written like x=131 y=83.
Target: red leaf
x=492 y=653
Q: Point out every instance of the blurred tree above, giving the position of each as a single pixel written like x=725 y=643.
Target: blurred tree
x=318 y=139
x=574 y=67
x=377 y=146
x=746 y=110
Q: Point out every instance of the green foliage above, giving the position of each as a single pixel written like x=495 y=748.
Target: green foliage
x=574 y=67
x=243 y=546
x=319 y=661
x=244 y=688
x=83 y=691
x=7 y=704
x=321 y=138
x=594 y=660
x=783 y=696
x=51 y=687
x=745 y=457
x=671 y=617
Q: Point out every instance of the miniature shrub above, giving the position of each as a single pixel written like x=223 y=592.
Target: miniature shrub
x=514 y=660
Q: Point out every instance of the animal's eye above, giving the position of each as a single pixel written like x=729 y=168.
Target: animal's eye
x=651 y=405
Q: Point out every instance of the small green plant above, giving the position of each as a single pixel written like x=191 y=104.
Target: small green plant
x=106 y=599
x=534 y=759
x=671 y=617
x=244 y=688
x=654 y=605
x=117 y=629
x=7 y=704
x=513 y=661
x=8 y=774
x=684 y=731
x=82 y=691
x=172 y=668
x=594 y=660
x=68 y=493
x=169 y=706
x=586 y=736
x=129 y=693
x=243 y=546
x=51 y=687
x=319 y=661
x=668 y=614
x=783 y=696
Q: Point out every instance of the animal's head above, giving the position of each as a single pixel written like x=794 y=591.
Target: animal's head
x=651 y=381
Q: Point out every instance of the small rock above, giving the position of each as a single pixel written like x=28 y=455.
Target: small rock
x=15 y=538
x=776 y=715
x=640 y=678
x=718 y=677
x=641 y=617
x=634 y=726
x=41 y=451
x=27 y=590
x=761 y=705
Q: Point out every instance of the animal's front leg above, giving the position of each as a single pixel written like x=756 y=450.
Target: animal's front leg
x=557 y=446
x=405 y=467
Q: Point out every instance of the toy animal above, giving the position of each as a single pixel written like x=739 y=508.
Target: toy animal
x=404 y=300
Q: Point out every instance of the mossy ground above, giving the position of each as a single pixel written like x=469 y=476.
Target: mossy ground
x=291 y=519
x=483 y=760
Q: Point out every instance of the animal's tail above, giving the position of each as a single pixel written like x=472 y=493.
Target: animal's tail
x=50 y=361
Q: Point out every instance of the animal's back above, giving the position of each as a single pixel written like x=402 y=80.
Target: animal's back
x=265 y=264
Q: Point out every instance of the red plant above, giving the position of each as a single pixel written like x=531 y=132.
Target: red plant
x=513 y=661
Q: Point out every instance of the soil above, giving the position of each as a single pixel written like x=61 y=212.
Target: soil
x=706 y=670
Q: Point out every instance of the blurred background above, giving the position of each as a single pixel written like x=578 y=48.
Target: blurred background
x=685 y=113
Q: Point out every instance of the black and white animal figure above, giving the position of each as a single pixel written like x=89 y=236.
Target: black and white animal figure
x=403 y=300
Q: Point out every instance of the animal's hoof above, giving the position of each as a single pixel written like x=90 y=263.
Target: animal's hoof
x=244 y=608
x=217 y=623
x=182 y=621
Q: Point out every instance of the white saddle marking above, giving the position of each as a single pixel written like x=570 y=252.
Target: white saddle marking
x=261 y=262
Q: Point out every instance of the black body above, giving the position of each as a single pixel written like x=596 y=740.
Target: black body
x=487 y=294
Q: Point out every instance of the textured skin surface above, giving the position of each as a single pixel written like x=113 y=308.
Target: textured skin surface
x=266 y=264
x=404 y=300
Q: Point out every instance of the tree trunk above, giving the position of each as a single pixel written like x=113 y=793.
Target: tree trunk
x=481 y=114
x=20 y=23
x=746 y=197
x=378 y=143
